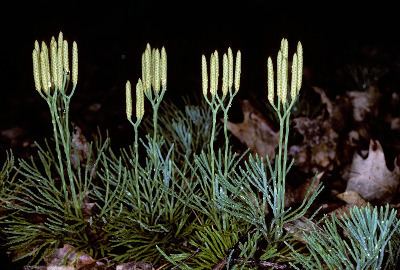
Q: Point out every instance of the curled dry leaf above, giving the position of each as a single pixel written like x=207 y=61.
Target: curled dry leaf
x=68 y=256
x=318 y=151
x=80 y=147
x=12 y=134
x=296 y=195
x=60 y=268
x=371 y=178
x=352 y=199
x=87 y=207
x=395 y=123
x=135 y=266
x=298 y=227
x=325 y=100
x=364 y=103
x=255 y=131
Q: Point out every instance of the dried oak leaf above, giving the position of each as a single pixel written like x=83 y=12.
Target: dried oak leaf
x=255 y=131
x=352 y=199
x=325 y=100
x=68 y=256
x=80 y=147
x=298 y=227
x=135 y=266
x=395 y=123
x=87 y=207
x=296 y=195
x=371 y=178
x=60 y=268
x=318 y=151
x=364 y=103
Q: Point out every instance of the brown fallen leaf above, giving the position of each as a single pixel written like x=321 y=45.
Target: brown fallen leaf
x=318 y=150
x=12 y=134
x=296 y=195
x=79 y=147
x=255 y=131
x=135 y=266
x=87 y=207
x=48 y=268
x=298 y=227
x=69 y=256
x=16 y=137
x=60 y=268
x=352 y=198
x=364 y=103
x=371 y=178
x=324 y=99
x=395 y=123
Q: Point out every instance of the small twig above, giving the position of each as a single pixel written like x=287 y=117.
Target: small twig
x=258 y=263
x=182 y=262
x=268 y=264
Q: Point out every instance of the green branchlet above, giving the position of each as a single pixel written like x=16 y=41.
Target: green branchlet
x=368 y=243
x=6 y=178
x=55 y=184
x=52 y=84
x=283 y=108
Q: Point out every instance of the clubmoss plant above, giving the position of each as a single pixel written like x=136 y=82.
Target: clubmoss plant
x=216 y=101
x=243 y=194
x=6 y=178
x=48 y=204
x=52 y=83
x=263 y=177
x=146 y=211
x=283 y=108
x=171 y=198
x=139 y=116
x=228 y=81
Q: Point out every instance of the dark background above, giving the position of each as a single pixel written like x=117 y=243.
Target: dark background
x=111 y=36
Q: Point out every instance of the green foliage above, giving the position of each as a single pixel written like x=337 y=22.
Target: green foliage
x=359 y=240
x=48 y=202
x=5 y=176
x=43 y=215
x=188 y=130
x=146 y=214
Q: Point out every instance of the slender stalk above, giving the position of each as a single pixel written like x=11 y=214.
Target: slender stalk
x=135 y=145
x=65 y=136
x=226 y=142
x=155 y=103
x=281 y=177
x=155 y=115
x=287 y=124
x=57 y=144
x=225 y=111
x=212 y=153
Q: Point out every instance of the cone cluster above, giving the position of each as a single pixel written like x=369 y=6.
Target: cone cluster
x=154 y=70
x=230 y=74
x=154 y=79
x=282 y=79
x=51 y=65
